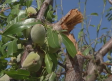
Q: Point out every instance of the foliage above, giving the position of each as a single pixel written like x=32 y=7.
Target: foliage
x=15 y=35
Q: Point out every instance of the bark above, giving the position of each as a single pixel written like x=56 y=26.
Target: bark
x=74 y=68
x=110 y=1
x=43 y=8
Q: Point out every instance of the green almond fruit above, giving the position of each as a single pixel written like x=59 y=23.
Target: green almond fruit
x=36 y=67
x=31 y=10
x=31 y=59
x=38 y=34
x=5 y=78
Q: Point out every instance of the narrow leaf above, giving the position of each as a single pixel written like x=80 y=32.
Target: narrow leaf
x=48 y=63
x=69 y=45
x=80 y=34
x=98 y=27
x=19 y=74
x=86 y=51
x=18 y=27
x=10 y=1
x=52 y=77
x=12 y=47
x=92 y=25
x=52 y=38
x=104 y=28
x=95 y=14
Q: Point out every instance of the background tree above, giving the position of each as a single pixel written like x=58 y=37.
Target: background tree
x=41 y=49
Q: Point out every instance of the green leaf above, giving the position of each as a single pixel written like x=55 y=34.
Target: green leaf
x=109 y=9
x=19 y=74
x=10 y=1
x=92 y=25
x=3 y=64
x=104 y=40
x=80 y=34
x=39 y=3
x=69 y=45
x=20 y=26
x=3 y=49
x=28 y=3
x=49 y=14
x=5 y=39
x=107 y=14
x=15 y=10
x=15 y=28
x=98 y=27
x=52 y=37
x=12 y=47
x=41 y=78
x=52 y=77
x=53 y=57
x=48 y=63
x=86 y=51
x=55 y=18
x=21 y=15
x=104 y=28
x=3 y=16
x=95 y=14
x=15 y=46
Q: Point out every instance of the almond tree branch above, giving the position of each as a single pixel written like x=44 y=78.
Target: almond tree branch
x=61 y=65
x=43 y=8
x=110 y=1
x=106 y=48
x=4 y=9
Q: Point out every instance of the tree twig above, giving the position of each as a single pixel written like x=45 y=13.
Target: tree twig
x=61 y=65
x=43 y=8
x=4 y=9
x=110 y=1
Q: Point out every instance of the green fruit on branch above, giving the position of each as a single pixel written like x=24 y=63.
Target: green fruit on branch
x=31 y=59
x=38 y=34
x=36 y=67
x=31 y=10
x=5 y=78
